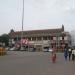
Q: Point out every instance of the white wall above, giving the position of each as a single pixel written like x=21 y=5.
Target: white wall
x=73 y=37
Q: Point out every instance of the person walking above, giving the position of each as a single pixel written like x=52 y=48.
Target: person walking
x=65 y=52
x=69 y=53
x=73 y=54
x=54 y=55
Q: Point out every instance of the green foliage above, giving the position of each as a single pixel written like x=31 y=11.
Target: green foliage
x=4 y=39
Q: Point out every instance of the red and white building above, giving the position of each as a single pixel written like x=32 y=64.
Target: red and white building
x=41 y=39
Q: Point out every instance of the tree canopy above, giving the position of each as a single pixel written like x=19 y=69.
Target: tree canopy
x=4 y=38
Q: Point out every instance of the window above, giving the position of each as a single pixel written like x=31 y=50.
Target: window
x=48 y=37
x=51 y=37
x=33 y=38
x=54 y=38
x=63 y=38
x=45 y=38
x=39 y=38
x=29 y=39
x=60 y=38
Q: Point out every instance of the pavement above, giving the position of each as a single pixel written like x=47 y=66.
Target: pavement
x=35 y=63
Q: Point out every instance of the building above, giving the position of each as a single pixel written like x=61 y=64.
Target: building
x=73 y=38
x=43 y=39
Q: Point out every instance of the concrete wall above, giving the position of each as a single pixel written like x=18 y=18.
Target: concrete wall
x=73 y=37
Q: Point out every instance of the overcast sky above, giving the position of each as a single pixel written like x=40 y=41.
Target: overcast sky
x=38 y=14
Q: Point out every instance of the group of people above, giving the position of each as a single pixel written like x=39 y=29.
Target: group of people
x=69 y=53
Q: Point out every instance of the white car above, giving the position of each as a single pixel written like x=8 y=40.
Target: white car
x=50 y=50
x=12 y=49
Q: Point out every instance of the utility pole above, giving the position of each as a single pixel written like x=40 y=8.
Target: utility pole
x=22 y=25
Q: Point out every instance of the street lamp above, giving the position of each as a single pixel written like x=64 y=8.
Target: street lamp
x=22 y=25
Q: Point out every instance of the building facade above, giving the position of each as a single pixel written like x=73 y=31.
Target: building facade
x=73 y=38
x=43 y=39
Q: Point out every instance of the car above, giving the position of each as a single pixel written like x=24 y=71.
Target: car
x=45 y=50
x=12 y=49
x=50 y=50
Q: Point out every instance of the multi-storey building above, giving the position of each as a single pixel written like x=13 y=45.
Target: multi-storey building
x=43 y=39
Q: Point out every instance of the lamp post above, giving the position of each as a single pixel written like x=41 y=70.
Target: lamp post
x=22 y=25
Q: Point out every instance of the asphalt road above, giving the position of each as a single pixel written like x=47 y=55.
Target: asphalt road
x=35 y=63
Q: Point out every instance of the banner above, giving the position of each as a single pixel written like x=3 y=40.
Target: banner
x=24 y=41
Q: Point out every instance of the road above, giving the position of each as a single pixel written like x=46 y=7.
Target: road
x=35 y=63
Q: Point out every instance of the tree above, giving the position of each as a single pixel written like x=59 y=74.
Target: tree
x=4 y=38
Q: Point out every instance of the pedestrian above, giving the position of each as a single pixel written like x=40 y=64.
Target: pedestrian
x=53 y=57
x=73 y=54
x=69 y=53
x=65 y=52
